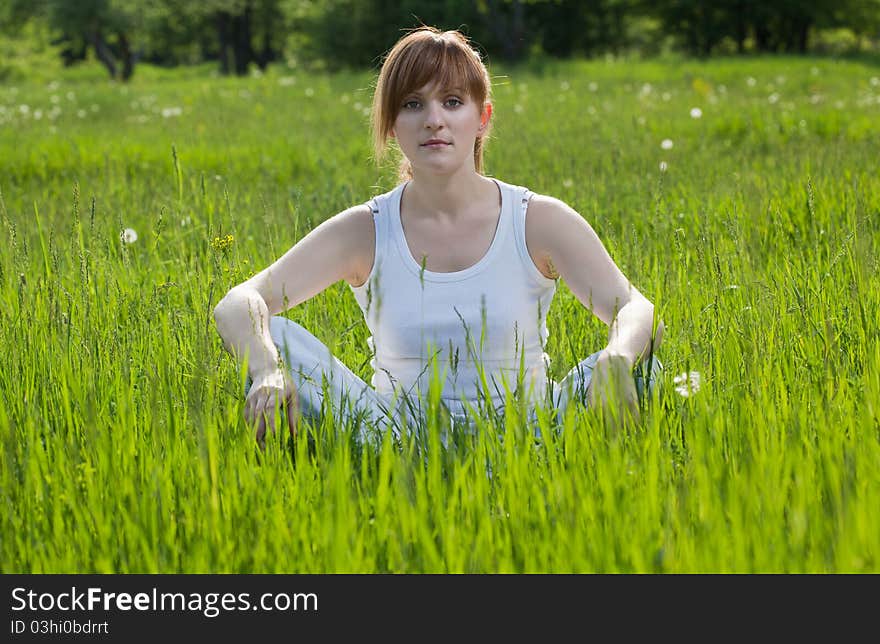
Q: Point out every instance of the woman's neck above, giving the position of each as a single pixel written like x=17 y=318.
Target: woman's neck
x=447 y=196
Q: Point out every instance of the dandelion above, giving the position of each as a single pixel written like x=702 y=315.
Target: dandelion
x=564 y=86
x=666 y=144
x=54 y=98
x=222 y=244
x=593 y=87
x=875 y=82
x=641 y=120
x=751 y=82
x=71 y=96
x=168 y=112
x=38 y=114
x=773 y=98
x=286 y=81
x=568 y=183
x=814 y=71
x=24 y=109
x=802 y=123
x=518 y=108
x=687 y=384
x=129 y=236
x=81 y=113
x=696 y=113
x=666 y=96
x=310 y=92
x=663 y=166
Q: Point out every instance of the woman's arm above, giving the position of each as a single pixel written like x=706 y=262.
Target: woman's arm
x=562 y=244
x=340 y=248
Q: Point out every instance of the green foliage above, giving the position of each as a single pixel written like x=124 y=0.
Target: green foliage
x=123 y=444
x=28 y=54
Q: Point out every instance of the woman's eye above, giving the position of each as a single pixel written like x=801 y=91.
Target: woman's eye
x=453 y=102
x=411 y=105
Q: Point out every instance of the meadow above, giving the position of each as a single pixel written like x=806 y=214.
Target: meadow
x=740 y=195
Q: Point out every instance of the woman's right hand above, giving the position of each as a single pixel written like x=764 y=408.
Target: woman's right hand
x=270 y=396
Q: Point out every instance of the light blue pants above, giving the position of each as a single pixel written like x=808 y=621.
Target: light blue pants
x=317 y=373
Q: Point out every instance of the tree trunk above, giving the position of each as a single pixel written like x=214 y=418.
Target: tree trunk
x=804 y=35
x=223 y=37
x=127 y=56
x=510 y=34
x=241 y=34
x=102 y=51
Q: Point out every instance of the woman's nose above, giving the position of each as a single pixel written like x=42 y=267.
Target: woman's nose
x=434 y=116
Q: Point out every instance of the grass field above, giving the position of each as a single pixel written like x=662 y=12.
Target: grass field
x=123 y=443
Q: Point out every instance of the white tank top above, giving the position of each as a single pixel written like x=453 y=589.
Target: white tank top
x=486 y=321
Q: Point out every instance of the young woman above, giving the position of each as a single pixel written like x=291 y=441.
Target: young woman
x=454 y=272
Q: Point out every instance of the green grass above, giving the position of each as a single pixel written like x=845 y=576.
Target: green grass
x=123 y=444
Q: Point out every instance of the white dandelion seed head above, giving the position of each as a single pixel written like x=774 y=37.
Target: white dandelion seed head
x=666 y=96
x=875 y=82
x=518 y=108
x=568 y=183
x=168 y=112
x=751 y=82
x=666 y=144
x=663 y=166
x=773 y=98
x=81 y=114
x=696 y=113
x=564 y=86
x=310 y=92
x=129 y=236
x=687 y=384
x=593 y=86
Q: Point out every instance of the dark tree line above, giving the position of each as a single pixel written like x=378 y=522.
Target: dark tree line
x=240 y=33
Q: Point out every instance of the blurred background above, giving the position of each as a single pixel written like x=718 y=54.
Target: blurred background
x=240 y=37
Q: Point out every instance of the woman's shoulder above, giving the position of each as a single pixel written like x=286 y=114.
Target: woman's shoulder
x=379 y=197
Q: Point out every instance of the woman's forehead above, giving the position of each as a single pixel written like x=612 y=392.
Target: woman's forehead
x=438 y=87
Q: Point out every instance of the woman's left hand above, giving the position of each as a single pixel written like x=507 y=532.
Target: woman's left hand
x=613 y=388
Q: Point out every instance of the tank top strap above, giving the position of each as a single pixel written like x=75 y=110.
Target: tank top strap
x=520 y=197
x=382 y=208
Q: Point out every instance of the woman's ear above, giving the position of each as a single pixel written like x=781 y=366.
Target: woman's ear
x=485 y=116
x=392 y=134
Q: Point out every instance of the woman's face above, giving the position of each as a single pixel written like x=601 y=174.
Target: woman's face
x=436 y=128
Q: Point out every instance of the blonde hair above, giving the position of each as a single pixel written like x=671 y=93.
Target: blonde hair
x=427 y=54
